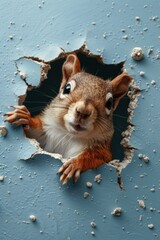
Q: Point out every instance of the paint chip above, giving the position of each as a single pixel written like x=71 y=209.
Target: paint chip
x=86 y=194
x=137 y=54
x=33 y=218
x=98 y=178
x=89 y=184
x=117 y=212
x=3 y=131
x=1 y=178
x=150 y=226
x=141 y=203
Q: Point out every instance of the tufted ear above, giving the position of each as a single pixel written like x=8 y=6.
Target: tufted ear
x=70 y=67
x=120 y=86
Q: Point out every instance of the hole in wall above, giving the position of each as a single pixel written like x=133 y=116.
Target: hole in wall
x=37 y=98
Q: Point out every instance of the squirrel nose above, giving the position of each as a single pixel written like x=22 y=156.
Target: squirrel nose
x=82 y=113
x=83 y=110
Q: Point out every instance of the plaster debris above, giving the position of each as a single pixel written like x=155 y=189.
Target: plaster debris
x=98 y=178
x=1 y=178
x=33 y=218
x=3 y=131
x=146 y=159
x=140 y=155
x=93 y=233
x=141 y=203
x=152 y=209
x=93 y=225
x=45 y=67
x=86 y=194
x=141 y=73
x=137 y=54
x=152 y=189
x=88 y=184
x=137 y=18
x=153 y=82
x=150 y=226
x=125 y=37
x=117 y=212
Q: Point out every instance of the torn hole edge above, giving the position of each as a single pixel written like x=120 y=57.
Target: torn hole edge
x=133 y=95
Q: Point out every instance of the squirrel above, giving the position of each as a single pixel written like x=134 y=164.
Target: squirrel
x=78 y=122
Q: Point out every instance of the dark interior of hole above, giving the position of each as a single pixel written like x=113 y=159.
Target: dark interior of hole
x=38 y=98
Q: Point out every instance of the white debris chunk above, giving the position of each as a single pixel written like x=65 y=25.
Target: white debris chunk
x=93 y=225
x=88 y=184
x=145 y=158
x=140 y=155
x=3 y=131
x=1 y=178
x=151 y=226
x=153 y=82
x=137 y=18
x=137 y=54
x=85 y=194
x=32 y=218
x=141 y=73
x=117 y=212
x=141 y=203
x=98 y=178
x=93 y=233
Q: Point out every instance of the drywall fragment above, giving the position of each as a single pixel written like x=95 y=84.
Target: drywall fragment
x=88 y=184
x=150 y=226
x=93 y=224
x=137 y=18
x=1 y=178
x=3 y=131
x=140 y=155
x=98 y=178
x=141 y=203
x=93 y=233
x=153 y=82
x=146 y=159
x=137 y=54
x=142 y=73
x=33 y=218
x=117 y=212
x=86 y=194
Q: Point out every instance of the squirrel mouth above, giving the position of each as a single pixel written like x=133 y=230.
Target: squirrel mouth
x=77 y=127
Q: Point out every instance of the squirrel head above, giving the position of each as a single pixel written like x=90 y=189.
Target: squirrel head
x=86 y=102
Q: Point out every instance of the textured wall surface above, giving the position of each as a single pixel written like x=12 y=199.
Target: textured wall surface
x=110 y=28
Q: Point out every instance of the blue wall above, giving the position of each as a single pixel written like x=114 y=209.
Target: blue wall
x=41 y=29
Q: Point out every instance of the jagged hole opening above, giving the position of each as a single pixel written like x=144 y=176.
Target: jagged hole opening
x=37 y=98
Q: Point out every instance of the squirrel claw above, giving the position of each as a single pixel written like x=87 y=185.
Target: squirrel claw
x=68 y=170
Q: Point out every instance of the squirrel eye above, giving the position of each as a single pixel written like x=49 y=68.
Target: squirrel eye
x=67 y=89
x=109 y=103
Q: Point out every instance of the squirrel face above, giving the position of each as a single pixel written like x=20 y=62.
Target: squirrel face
x=89 y=104
x=85 y=103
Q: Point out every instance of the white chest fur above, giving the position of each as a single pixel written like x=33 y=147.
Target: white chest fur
x=58 y=140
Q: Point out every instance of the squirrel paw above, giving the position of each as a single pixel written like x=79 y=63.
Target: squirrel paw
x=20 y=115
x=71 y=168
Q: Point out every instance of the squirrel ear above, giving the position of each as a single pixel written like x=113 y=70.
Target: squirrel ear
x=120 y=86
x=70 y=67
